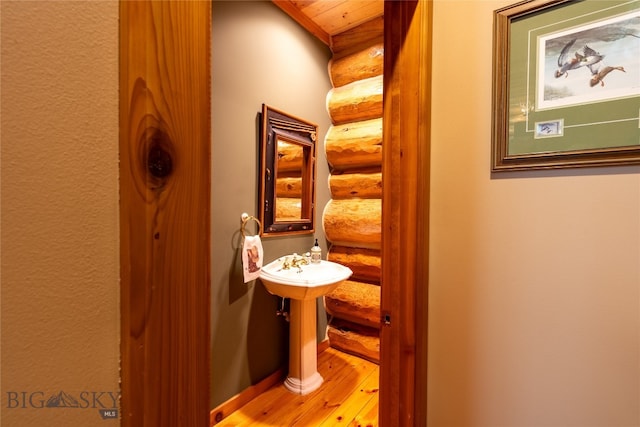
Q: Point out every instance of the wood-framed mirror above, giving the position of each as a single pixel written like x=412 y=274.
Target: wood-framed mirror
x=287 y=173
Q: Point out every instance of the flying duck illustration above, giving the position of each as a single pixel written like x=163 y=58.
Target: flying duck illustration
x=581 y=58
x=598 y=75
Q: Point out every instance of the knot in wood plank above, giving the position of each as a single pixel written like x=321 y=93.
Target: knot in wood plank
x=159 y=158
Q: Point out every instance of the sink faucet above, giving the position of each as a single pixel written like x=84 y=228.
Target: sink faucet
x=296 y=262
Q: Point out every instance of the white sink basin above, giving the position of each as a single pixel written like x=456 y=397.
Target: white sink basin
x=309 y=282
x=303 y=285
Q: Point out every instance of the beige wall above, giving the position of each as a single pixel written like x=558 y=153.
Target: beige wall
x=535 y=277
x=59 y=211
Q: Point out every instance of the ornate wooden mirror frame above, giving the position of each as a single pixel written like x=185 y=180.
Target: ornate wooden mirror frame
x=287 y=173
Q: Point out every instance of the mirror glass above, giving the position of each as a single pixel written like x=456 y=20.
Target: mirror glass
x=287 y=173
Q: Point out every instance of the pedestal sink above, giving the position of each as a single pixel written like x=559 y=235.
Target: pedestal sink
x=302 y=284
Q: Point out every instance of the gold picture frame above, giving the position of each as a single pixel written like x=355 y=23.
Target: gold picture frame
x=566 y=84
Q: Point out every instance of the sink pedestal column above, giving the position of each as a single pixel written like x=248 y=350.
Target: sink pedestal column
x=303 y=377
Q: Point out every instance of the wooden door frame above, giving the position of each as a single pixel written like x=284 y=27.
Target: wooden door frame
x=165 y=172
x=165 y=216
x=405 y=212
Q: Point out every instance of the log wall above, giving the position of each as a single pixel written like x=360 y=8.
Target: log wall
x=352 y=219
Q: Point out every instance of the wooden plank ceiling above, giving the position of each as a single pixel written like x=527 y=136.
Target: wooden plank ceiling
x=326 y=18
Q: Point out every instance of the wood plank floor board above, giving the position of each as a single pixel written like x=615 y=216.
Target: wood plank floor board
x=268 y=403
x=353 y=405
x=368 y=416
x=348 y=396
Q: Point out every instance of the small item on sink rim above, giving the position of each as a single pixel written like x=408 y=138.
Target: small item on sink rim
x=316 y=253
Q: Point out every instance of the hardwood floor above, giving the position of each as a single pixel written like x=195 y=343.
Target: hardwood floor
x=348 y=397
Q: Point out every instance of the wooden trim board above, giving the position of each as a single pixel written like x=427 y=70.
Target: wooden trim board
x=405 y=212
x=165 y=212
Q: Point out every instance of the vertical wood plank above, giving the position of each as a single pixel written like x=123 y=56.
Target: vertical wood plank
x=405 y=218
x=165 y=212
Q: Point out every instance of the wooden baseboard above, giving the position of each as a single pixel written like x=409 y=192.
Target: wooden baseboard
x=223 y=410
x=245 y=396
x=323 y=345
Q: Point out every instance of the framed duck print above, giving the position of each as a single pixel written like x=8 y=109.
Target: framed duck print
x=566 y=84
